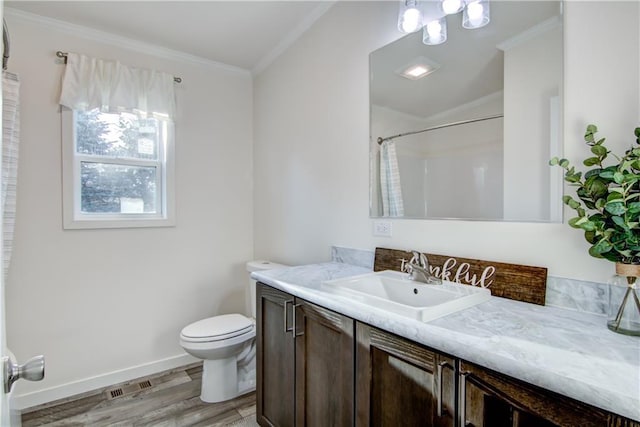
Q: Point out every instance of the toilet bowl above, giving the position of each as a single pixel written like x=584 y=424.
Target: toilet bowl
x=226 y=344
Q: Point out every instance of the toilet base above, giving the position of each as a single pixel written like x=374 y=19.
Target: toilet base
x=219 y=380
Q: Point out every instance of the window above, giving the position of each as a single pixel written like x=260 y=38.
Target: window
x=117 y=170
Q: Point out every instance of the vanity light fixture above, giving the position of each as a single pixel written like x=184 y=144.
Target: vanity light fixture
x=476 y=14
x=413 y=15
x=435 y=32
x=418 y=68
x=410 y=16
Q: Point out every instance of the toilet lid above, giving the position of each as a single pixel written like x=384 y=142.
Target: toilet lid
x=218 y=327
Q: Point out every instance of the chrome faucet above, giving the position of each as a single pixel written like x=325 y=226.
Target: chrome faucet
x=418 y=269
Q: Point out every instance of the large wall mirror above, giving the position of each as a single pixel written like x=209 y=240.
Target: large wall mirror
x=471 y=139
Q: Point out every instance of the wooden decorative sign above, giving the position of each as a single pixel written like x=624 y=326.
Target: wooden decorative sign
x=513 y=281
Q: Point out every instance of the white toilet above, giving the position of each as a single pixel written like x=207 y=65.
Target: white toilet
x=226 y=343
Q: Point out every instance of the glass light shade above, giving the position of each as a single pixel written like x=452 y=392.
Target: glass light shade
x=476 y=14
x=409 y=16
x=452 y=6
x=435 y=32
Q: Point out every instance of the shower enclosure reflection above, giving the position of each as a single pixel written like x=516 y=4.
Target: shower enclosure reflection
x=472 y=138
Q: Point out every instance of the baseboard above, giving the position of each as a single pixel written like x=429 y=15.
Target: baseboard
x=26 y=401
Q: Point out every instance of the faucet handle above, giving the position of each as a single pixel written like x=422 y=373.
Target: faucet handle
x=419 y=259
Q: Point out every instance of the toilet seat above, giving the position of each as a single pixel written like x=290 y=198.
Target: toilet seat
x=218 y=328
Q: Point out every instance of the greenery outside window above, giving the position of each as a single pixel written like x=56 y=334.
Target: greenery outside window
x=117 y=170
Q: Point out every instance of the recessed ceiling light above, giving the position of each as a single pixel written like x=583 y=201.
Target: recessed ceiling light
x=418 y=68
x=416 y=71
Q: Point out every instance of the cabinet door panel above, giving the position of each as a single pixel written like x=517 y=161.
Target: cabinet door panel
x=398 y=382
x=490 y=399
x=324 y=367
x=275 y=359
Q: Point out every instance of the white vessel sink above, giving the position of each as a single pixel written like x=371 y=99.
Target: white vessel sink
x=394 y=291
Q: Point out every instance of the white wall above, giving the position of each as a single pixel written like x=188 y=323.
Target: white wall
x=311 y=130
x=96 y=302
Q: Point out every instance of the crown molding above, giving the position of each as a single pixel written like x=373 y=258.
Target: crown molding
x=292 y=36
x=119 y=41
x=531 y=33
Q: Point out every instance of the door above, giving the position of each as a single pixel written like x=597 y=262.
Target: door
x=403 y=383
x=324 y=366
x=275 y=358
x=489 y=399
x=5 y=409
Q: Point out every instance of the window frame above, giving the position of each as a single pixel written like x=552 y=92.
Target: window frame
x=74 y=218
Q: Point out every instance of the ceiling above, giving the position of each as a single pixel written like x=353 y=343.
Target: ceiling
x=244 y=34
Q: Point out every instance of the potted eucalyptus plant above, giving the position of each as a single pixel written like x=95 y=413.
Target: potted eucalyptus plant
x=608 y=211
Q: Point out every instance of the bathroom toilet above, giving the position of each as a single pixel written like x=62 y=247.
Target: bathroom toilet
x=226 y=343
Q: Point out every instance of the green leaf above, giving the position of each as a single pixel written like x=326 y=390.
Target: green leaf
x=606 y=174
x=618 y=177
x=591 y=161
x=588 y=136
x=554 y=161
x=633 y=207
x=619 y=221
x=577 y=221
x=601 y=247
x=599 y=150
x=614 y=196
x=564 y=163
x=600 y=141
x=615 y=208
x=637 y=132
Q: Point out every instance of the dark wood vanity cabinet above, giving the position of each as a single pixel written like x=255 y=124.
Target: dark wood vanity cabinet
x=304 y=362
x=399 y=382
x=490 y=399
x=316 y=367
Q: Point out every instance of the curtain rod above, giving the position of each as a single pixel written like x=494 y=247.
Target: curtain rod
x=61 y=54
x=463 y=122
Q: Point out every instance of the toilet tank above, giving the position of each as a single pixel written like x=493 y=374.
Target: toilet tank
x=258 y=265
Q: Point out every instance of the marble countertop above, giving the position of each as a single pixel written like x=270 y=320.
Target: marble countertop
x=569 y=352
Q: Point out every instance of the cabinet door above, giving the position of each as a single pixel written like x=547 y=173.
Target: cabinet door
x=275 y=358
x=400 y=383
x=489 y=399
x=324 y=366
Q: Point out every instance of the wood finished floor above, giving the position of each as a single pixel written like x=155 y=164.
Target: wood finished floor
x=170 y=399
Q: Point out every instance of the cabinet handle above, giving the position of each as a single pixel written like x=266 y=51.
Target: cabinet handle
x=286 y=329
x=294 y=308
x=440 y=368
x=463 y=398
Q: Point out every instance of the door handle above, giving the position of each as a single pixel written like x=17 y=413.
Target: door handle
x=32 y=370
x=463 y=398
x=441 y=365
x=294 y=310
x=286 y=320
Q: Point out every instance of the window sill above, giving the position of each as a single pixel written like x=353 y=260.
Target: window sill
x=88 y=224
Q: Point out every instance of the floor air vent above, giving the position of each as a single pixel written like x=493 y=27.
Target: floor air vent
x=144 y=384
x=128 y=389
x=116 y=393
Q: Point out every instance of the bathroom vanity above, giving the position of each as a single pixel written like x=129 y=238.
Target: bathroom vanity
x=325 y=359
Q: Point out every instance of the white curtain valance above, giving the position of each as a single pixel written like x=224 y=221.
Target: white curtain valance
x=91 y=83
